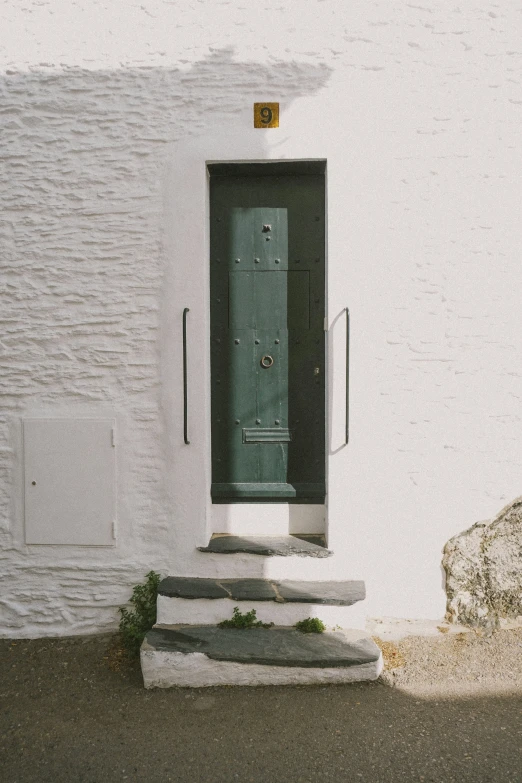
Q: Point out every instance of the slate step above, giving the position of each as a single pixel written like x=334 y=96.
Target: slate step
x=193 y=600
x=202 y=656
x=283 y=546
x=334 y=593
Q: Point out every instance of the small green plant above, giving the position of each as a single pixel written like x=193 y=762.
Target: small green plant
x=310 y=625
x=243 y=621
x=135 y=622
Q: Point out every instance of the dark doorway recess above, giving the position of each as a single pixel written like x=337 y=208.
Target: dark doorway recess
x=267 y=293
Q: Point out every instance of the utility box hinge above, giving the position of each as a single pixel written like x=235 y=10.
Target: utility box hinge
x=113 y=436
x=114 y=529
x=325 y=324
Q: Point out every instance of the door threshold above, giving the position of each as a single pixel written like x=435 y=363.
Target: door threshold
x=268 y=493
x=283 y=546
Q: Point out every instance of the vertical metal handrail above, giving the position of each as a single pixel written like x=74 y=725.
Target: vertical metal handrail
x=185 y=403
x=347 y=427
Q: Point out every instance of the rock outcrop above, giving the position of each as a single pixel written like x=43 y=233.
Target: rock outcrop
x=484 y=571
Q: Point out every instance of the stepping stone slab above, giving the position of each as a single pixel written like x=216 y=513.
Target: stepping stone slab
x=187 y=587
x=328 y=593
x=265 y=545
x=332 y=593
x=250 y=589
x=268 y=647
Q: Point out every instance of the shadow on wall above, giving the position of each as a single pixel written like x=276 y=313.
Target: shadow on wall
x=77 y=110
x=84 y=154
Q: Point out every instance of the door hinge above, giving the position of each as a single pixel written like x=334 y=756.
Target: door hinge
x=114 y=529
x=113 y=436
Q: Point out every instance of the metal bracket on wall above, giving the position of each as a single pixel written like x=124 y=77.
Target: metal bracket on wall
x=185 y=404
x=347 y=426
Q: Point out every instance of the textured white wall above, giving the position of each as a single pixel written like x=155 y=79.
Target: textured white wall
x=417 y=110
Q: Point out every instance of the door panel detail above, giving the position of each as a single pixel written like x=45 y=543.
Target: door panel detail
x=259 y=300
x=267 y=435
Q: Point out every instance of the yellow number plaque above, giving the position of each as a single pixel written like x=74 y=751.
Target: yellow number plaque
x=266 y=115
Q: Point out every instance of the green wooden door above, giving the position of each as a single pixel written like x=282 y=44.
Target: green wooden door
x=267 y=337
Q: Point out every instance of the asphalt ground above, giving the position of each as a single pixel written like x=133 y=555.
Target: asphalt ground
x=73 y=710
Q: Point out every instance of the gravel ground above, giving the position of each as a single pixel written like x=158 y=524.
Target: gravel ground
x=450 y=710
x=457 y=663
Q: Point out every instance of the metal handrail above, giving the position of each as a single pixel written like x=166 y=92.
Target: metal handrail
x=347 y=426
x=185 y=403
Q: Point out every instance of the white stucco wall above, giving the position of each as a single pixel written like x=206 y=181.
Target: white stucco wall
x=108 y=114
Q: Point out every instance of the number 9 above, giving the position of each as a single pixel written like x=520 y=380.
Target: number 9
x=266 y=115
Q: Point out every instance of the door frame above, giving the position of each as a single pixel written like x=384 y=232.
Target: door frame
x=186 y=473
x=270 y=168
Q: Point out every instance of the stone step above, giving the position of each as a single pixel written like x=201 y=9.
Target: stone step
x=201 y=656
x=193 y=600
x=247 y=566
x=335 y=593
x=267 y=546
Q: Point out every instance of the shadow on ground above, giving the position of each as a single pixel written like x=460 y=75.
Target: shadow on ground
x=65 y=715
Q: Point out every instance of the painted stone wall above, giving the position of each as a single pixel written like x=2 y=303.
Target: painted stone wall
x=417 y=109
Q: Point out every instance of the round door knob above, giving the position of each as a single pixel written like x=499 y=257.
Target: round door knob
x=267 y=361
